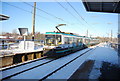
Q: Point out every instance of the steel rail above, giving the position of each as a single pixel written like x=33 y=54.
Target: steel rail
x=8 y=77
x=65 y=65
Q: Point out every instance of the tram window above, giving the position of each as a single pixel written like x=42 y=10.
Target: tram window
x=50 y=40
x=58 y=39
x=70 y=40
x=86 y=40
x=66 y=40
x=80 y=40
x=53 y=40
x=74 y=40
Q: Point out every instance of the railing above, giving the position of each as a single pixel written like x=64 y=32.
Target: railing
x=16 y=51
x=115 y=45
x=14 y=44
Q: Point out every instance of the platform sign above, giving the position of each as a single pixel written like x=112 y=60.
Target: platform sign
x=23 y=31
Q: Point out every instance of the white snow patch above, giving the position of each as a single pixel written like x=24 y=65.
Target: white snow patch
x=104 y=53
x=67 y=71
x=95 y=73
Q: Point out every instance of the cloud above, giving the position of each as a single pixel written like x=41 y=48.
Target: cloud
x=109 y=23
x=95 y=23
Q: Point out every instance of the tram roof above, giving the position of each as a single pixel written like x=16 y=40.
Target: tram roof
x=66 y=34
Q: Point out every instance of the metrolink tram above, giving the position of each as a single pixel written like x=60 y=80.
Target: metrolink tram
x=62 y=43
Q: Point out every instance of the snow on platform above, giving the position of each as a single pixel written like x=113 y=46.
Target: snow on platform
x=42 y=71
x=67 y=72
x=18 y=69
x=103 y=53
x=17 y=51
x=22 y=47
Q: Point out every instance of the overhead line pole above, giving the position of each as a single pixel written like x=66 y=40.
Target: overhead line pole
x=111 y=35
x=33 y=21
x=30 y=12
x=87 y=33
x=48 y=13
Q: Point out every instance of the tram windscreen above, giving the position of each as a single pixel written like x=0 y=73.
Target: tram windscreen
x=53 y=40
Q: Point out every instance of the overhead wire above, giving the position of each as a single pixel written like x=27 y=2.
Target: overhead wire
x=77 y=12
x=27 y=11
x=48 y=13
x=65 y=9
x=69 y=12
x=35 y=14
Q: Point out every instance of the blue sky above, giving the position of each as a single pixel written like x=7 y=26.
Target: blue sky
x=99 y=24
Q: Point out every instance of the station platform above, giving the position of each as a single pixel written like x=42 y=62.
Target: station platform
x=85 y=64
x=89 y=68
x=101 y=58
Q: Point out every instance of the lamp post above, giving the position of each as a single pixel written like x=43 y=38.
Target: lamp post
x=24 y=33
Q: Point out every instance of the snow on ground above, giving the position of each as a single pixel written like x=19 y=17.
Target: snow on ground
x=17 y=51
x=102 y=53
x=95 y=73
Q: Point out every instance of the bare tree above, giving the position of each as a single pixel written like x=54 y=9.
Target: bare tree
x=14 y=33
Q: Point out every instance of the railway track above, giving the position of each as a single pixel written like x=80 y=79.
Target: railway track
x=24 y=71
x=63 y=65
x=12 y=71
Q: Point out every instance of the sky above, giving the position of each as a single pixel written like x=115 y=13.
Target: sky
x=97 y=24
